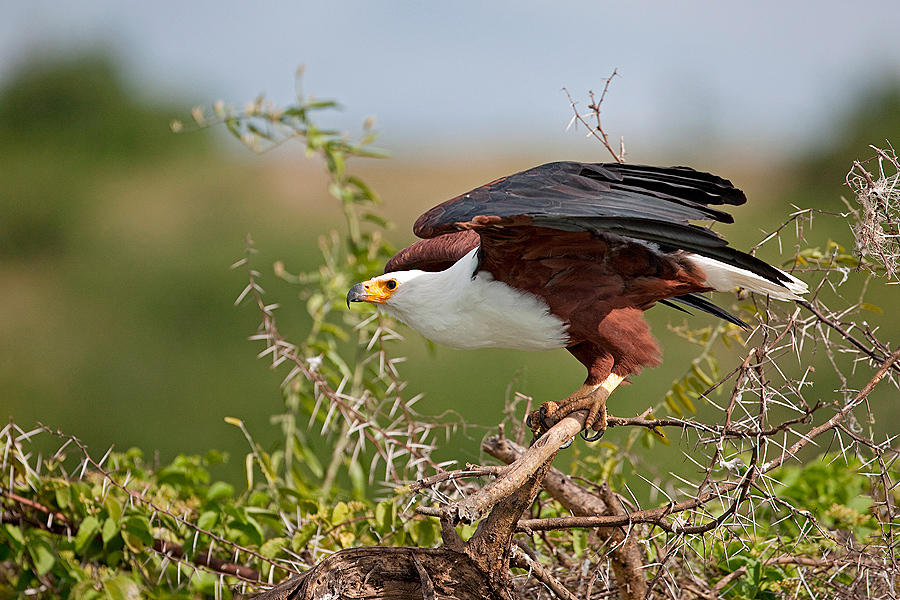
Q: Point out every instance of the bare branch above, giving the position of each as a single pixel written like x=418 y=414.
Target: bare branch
x=597 y=130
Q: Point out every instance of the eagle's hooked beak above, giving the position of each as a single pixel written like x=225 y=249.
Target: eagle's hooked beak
x=376 y=291
x=357 y=294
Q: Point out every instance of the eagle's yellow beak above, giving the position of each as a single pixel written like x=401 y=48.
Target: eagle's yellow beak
x=375 y=291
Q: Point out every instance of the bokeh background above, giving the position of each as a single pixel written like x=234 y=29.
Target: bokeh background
x=117 y=321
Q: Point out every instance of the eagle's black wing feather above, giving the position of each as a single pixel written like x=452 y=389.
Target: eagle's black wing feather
x=654 y=204
x=570 y=190
x=701 y=303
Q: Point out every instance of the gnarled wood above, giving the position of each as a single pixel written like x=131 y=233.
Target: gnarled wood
x=391 y=574
x=625 y=554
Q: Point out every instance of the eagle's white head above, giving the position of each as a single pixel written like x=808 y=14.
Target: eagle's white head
x=396 y=293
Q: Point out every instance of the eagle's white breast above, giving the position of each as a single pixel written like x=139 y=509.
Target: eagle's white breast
x=455 y=309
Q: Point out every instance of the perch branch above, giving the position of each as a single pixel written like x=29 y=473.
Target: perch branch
x=541 y=452
x=626 y=556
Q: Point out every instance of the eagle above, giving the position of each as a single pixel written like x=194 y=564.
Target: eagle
x=570 y=255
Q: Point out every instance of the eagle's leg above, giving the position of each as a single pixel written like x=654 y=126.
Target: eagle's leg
x=589 y=397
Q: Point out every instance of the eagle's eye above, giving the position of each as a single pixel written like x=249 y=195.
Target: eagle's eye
x=390 y=284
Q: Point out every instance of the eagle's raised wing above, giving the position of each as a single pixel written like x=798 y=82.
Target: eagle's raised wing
x=653 y=204
x=561 y=191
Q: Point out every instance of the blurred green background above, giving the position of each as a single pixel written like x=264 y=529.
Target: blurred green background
x=118 y=323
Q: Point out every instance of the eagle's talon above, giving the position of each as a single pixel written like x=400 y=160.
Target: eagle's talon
x=596 y=436
x=543 y=418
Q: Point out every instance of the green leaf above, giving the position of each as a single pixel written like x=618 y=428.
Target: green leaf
x=42 y=555
x=113 y=508
x=307 y=508
x=85 y=590
x=320 y=104
x=14 y=534
x=377 y=219
x=114 y=558
x=871 y=307
x=208 y=520
x=366 y=191
x=295 y=111
x=110 y=529
x=385 y=513
x=671 y=404
x=340 y=513
x=303 y=535
x=219 y=490
x=137 y=533
x=346 y=539
x=87 y=531
x=214 y=457
x=423 y=531
x=64 y=496
x=372 y=152
x=706 y=379
x=247 y=527
x=273 y=547
x=249 y=462
x=121 y=588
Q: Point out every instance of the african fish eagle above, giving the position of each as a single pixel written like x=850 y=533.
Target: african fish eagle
x=570 y=255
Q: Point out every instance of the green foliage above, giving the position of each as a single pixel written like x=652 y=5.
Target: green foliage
x=124 y=528
x=832 y=491
x=116 y=234
x=341 y=378
x=62 y=122
x=833 y=256
x=803 y=515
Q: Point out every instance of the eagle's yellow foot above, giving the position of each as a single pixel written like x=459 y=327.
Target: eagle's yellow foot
x=591 y=398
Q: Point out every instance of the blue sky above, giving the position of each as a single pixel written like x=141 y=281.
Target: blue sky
x=771 y=74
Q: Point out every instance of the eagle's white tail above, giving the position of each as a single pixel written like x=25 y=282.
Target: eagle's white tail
x=724 y=277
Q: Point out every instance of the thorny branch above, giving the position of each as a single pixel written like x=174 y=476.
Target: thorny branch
x=60 y=523
x=597 y=130
x=389 y=443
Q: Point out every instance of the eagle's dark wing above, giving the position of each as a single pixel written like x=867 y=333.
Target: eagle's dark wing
x=654 y=204
x=566 y=190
